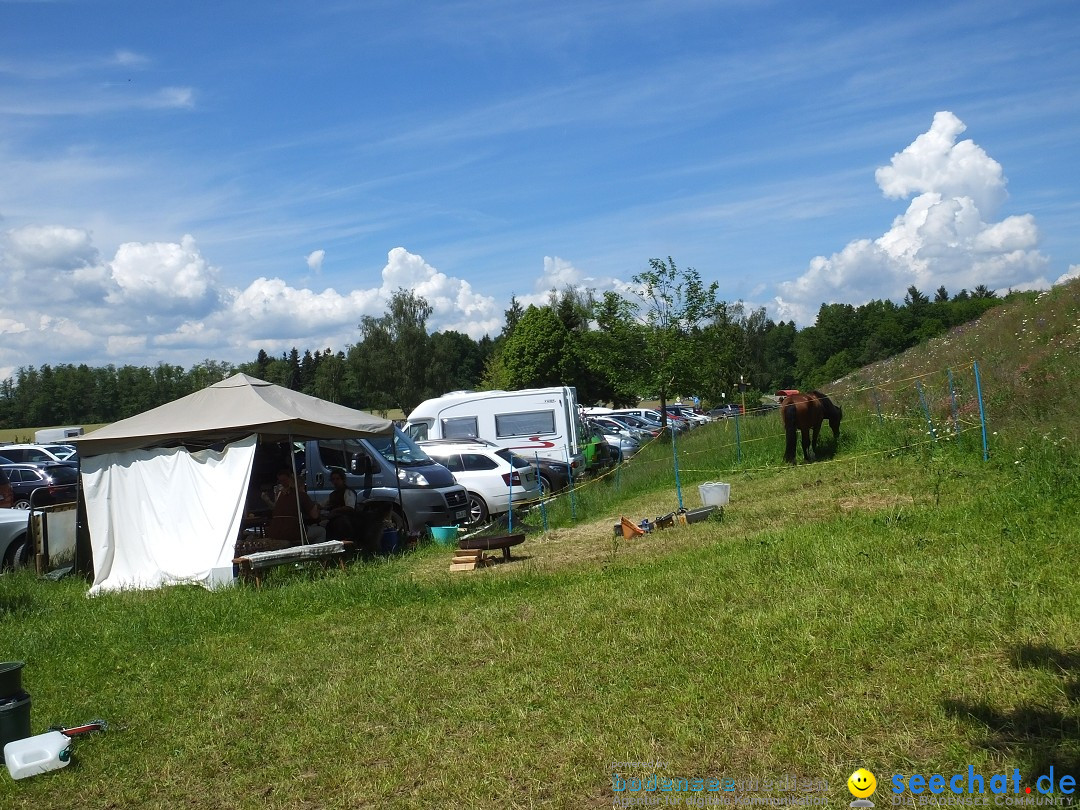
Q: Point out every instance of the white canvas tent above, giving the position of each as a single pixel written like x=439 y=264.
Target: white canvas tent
x=160 y=512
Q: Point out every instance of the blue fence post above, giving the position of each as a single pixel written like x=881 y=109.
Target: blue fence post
x=675 y=456
x=982 y=412
x=510 y=499
x=543 y=500
x=926 y=409
x=570 y=473
x=955 y=412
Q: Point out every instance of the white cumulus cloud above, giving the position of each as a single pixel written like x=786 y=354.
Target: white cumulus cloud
x=167 y=275
x=946 y=237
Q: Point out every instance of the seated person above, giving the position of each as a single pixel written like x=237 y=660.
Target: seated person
x=284 y=527
x=340 y=509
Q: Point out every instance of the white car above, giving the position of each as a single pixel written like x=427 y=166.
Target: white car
x=30 y=453
x=493 y=476
x=13 y=523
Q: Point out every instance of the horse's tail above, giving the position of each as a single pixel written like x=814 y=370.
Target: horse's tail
x=789 y=414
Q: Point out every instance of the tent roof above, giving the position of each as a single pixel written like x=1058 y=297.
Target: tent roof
x=238 y=406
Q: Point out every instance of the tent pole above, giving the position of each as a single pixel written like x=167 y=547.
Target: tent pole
x=296 y=491
x=397 y=475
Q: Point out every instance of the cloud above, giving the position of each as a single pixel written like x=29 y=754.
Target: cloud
x=164 y=275
x=35 y=246
x=127 y=58
x=1072 y=273
x=171 y=98
x=558 y=274
x=315 y=260
x=944 y=237
x=936 y=162
x=165 y=302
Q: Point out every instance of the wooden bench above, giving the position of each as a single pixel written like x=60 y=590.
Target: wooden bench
x=253 y=565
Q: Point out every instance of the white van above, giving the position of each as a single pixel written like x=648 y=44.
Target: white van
x=531 y=422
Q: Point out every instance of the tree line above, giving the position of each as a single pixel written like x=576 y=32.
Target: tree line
x=668 y=335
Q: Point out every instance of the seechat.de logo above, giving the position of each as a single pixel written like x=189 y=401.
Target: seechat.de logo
x=974 y=783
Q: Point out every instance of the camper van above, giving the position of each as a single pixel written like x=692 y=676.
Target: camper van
x=533 y=422
x=390 y=469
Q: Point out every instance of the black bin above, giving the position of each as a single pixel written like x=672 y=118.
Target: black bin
x=14 y=704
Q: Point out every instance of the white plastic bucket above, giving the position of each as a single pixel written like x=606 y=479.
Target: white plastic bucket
x=714 y=493
x=34 y=755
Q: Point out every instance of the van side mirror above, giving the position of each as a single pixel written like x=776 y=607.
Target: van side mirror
x=361 y=464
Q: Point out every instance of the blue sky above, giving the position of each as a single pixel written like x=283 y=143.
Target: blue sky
x=190 y=181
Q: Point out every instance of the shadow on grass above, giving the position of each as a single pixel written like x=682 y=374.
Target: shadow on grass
x=1038 y=736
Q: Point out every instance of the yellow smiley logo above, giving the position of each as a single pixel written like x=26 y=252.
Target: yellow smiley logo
x=862 y=784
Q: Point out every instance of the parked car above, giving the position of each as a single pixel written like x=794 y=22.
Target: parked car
x=41 y=484
x=13 y=549
x=725 y=411
x=608 y=423
x=29 y=454
x=649 y=414
x=682 y=412
x=622 y=445
x=650 y=430
x=385 y=469
x=64 y=452
x=494 y=477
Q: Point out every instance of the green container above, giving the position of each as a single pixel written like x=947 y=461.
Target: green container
x=444 y=535
x=14 y=719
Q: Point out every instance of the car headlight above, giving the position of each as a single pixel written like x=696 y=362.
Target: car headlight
x=412 y=479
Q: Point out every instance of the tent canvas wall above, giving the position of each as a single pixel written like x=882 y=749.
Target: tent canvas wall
x=165 y=490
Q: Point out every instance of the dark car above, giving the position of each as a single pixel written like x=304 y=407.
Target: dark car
x=43 y=483
x=724 y=412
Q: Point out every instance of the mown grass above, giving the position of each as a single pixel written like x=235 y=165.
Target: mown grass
x=901 y=605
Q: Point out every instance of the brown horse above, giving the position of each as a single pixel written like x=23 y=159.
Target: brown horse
x=806 y=412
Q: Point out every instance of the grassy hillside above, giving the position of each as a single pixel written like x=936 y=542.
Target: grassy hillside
x=901 y=604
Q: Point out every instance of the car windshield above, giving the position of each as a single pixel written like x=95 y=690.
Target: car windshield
x=407 y=452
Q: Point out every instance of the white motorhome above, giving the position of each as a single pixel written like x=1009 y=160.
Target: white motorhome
x=57 y=435
x=532 y=422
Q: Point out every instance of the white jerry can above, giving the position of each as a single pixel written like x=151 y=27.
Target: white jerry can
x=33 y=755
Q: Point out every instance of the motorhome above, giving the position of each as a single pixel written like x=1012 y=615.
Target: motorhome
x=57 y=435
x=533 y=422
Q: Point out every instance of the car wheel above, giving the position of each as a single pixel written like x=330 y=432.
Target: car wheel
x=478 y=510
x=398 y=522
x=21 y=503
x=21 y=558
x=547 y=489
x=12 y=553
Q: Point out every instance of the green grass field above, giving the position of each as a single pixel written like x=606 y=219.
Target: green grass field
x=902 y=605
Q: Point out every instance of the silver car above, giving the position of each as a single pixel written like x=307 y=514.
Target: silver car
x=13 y=550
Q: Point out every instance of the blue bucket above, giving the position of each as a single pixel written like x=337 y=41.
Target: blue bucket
x=389 y=541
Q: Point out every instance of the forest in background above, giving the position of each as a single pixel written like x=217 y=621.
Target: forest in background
x=670 y=337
